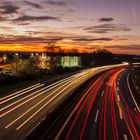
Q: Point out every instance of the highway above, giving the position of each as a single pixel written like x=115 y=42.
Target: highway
x=106 y=111
x=22 y=111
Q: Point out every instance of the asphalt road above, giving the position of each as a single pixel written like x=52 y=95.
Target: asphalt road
x=107 y=111
x=22 y=111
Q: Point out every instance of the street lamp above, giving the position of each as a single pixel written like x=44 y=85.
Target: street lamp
x=4 y=58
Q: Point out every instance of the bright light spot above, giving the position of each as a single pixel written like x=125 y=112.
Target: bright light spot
x=125 y=63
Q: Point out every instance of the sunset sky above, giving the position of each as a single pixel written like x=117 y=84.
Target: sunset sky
x=28 y=25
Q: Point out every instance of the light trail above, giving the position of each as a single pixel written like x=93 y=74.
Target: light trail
x=18 y=92
x=26 y=90
x=132 y=94
x=28 y=107
x=77 y=106
x=65 y=87
x=28 y=99
x=17 y=95
x=90 y=107
x=35 y=105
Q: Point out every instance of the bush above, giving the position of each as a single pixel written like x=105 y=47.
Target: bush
x=25 y=69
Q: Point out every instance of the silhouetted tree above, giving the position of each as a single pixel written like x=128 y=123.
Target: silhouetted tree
x=87 y=59
x=51 y=50
x=103 y=57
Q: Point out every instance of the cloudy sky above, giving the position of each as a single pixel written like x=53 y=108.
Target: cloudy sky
x=29 y=25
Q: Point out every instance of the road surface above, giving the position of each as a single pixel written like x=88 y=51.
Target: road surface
x=107 y=111
x=22 y=111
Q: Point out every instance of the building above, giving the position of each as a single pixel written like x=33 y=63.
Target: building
x=47 y=61
x=43 y=60
x=70 y=61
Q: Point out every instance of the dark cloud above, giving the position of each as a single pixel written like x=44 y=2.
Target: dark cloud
x=56 y=3
x=34 y=5
x=106 y=19
x=2 y=19
x=11 y=39
x=23 y=24
x=103 y=39
x=44 y=32
x=26 y=18
x=120 y=48
x=92 y=39
x=36 y=32
x=106 y=28
x=8 y=8
x=128 y=47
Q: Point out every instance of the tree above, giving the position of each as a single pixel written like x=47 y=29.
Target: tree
x=24 y=68
x=103 y=57
x=103 y=52
x=51 y=50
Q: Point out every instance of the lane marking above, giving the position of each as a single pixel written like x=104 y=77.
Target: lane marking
x=43 y=119
x=102 y=93
x=125 y=137
x=34 y=128
x=97 y=114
